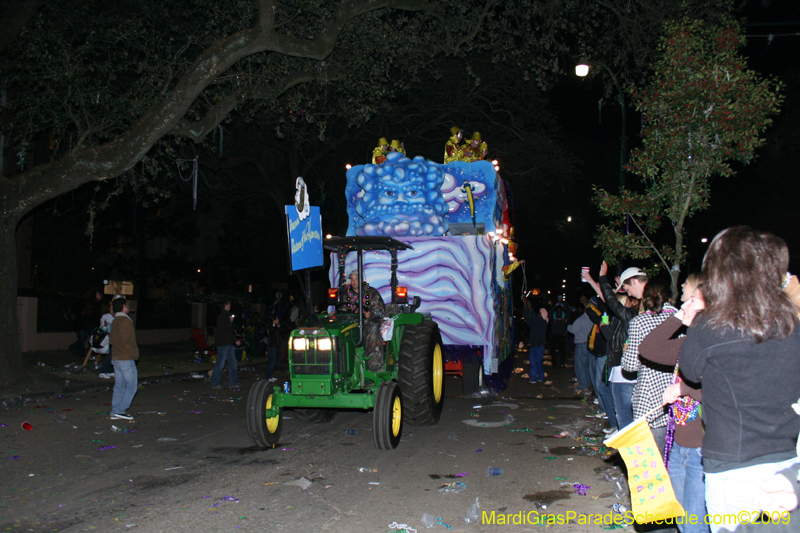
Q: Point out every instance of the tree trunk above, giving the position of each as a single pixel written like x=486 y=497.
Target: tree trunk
x=675 y=274
x=167 y=116
x=680 y=252
x=10 y=354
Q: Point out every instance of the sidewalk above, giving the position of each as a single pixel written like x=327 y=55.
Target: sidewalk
x=50 y=375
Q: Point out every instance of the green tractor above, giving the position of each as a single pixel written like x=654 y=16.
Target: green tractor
x=328 y=369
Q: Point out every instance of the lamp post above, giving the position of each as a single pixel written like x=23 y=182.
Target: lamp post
x=581 y=70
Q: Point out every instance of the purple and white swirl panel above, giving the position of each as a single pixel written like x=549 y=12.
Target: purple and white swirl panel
x=453 y=276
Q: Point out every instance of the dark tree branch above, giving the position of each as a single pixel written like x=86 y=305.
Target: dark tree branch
x=15 y=14
x=44 y=182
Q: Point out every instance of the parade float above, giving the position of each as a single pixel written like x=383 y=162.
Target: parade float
x=454 y=218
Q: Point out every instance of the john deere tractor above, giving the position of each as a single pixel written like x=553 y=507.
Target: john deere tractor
x=328 y=369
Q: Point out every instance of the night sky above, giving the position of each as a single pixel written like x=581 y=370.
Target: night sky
x=760 y=195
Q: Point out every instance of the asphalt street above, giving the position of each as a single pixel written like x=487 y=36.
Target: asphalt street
x=187 y=464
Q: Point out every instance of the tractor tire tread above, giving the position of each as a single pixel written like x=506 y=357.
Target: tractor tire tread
x=414 y=374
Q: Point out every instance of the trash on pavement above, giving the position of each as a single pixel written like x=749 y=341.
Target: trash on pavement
x=398 y=528
x=452 y=488
x=428 y=520
x=472 y=513
x=439 y=520
x=303 y=483
x=581 y=489
x=507 y=420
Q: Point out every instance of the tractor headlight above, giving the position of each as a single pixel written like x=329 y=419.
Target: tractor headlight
x=324 y=344
x=300 y=343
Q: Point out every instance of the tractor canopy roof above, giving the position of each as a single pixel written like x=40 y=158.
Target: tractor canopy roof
x=354 y=244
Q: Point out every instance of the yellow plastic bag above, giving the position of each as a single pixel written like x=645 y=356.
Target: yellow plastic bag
x=652 y=497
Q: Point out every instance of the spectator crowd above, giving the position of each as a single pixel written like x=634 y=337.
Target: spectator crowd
x=715 y=375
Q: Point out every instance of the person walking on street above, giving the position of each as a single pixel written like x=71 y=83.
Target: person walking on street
x=125 y=353
x=537 y=322
x=226 y=342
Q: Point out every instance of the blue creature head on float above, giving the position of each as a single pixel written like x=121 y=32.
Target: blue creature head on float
x=401 y=197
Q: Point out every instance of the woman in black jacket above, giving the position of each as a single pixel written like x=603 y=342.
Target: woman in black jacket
x=743 y=352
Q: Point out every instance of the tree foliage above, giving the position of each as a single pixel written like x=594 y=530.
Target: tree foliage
x=117 y=85
x=703 y=111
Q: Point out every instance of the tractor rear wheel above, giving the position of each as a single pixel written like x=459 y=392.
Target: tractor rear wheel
x=387 y=417
x=263 y=432
x=315 y=416
x=421 y=374
x=470 y=381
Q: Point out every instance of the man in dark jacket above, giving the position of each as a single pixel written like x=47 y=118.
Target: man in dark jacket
x=124 y=356
x=537 y=322
x=633 y=280
x=374 y=311
x=226 y=342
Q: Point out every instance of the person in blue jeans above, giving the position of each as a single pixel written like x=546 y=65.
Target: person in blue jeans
x=596 y=311
x=124 y=356
x=622 y=310
x=537 y=323
x=226 y=345
x=685 y=459
x=584 y=360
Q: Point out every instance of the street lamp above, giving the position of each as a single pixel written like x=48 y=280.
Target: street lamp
x=582 y=70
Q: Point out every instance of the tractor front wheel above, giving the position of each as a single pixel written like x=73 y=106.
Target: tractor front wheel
x=387 y=417
x=263 y=432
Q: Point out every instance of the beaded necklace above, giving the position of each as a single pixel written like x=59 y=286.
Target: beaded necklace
x=352 y=297
x=686 y=409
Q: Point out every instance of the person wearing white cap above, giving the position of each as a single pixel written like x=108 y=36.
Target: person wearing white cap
x=621 y=385
x=633 y=281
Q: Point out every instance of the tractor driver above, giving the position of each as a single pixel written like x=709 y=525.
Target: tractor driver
x=373 y=316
